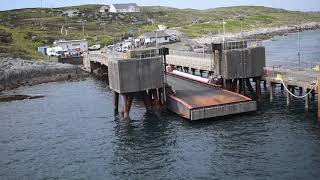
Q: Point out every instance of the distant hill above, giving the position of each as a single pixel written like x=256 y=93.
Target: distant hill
x=42 y=26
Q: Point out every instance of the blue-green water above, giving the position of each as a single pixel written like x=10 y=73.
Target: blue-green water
x=72 y=133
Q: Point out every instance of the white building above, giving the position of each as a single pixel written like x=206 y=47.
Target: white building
x=159 y=37
x=124 y=8
x=104 y=9
x=72 y=44
x=71 y=13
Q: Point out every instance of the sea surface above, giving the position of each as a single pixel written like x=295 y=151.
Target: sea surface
x=73 y=133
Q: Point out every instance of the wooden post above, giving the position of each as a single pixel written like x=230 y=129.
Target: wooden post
x=318 y=99
x=248 y=83
x=293 y=89
x=306 y=99
x=125 y=112
x=201 y=72
x=258 y=88
x=265 y=84
x=193 y=71
x=116 y=102
x=288 y=96
x=234 y=85
x=300 y=90
x=240 y=86
x=130 y=99
x=147 y=101
x=271 y=91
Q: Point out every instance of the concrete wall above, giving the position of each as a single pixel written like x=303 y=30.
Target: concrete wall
x=135 y=75
x=243 y=63
x=198 y=61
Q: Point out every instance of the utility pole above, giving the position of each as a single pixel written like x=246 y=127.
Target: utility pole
x=299 y=49
x=83 y=28
x=241 y=19
x=224 y=30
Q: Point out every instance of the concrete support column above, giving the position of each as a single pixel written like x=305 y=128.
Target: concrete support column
x=116 y=102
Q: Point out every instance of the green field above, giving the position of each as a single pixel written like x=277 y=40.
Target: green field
x=31 y=28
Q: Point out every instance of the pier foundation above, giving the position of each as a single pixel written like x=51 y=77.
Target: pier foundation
x=116 y=102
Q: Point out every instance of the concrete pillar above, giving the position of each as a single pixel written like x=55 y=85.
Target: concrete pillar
x=116 y=102
x=271 y=91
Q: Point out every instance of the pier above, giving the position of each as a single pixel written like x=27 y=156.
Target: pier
x=297 y=83
x=160 y=78
x=142 y=73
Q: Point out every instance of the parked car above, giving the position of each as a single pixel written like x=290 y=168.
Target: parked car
x=94 y=47
x=54 y=51
x=110 y=47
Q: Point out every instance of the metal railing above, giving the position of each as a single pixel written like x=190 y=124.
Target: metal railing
x=191 y=54
x=242 y=44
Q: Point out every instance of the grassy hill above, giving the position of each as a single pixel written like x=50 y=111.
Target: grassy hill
x=33 y=27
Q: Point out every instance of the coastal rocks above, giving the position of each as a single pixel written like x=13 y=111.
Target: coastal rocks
x=8 y=98
x=260 y=33
x=19 y=72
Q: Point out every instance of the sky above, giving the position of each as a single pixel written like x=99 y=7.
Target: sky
x=300 y=5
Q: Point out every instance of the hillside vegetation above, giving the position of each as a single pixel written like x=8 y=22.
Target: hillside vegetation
x=34 y=27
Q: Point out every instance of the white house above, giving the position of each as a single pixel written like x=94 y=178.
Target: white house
x=155 y=37
x=72 y=44
x=124 y=8
x=71 y=13
x=104 y=9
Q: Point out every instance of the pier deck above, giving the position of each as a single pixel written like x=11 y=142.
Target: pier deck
x=197 y=100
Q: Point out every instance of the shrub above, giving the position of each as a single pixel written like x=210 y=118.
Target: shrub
x=5 y=37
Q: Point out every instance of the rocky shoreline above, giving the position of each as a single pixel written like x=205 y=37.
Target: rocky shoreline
x=260 y=33
x=15 y=72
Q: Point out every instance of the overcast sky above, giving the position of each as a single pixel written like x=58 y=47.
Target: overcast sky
x=301 y=5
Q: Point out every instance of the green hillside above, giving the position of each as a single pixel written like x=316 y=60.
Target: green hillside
x=33 y=27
